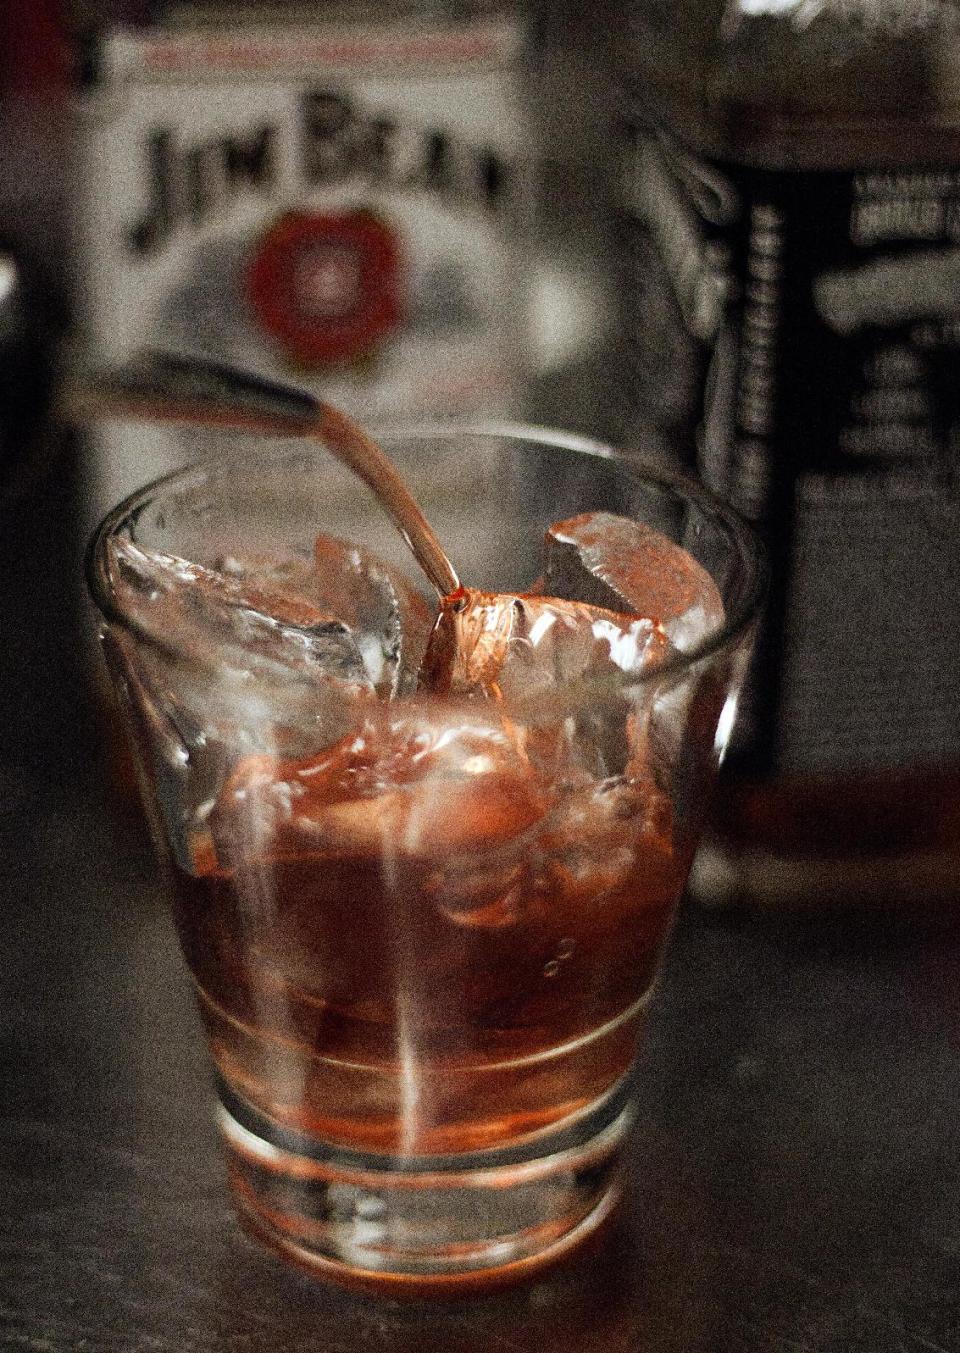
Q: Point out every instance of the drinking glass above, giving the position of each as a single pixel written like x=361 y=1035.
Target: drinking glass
x=424 y=933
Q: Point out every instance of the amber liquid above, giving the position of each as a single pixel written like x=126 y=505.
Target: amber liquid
x=454 y=999
x=872 y=842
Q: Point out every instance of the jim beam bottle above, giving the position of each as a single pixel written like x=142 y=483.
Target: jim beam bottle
x=792 y=186
x=338 y=202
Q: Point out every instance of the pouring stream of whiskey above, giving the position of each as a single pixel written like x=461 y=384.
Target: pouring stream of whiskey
x=166 y=388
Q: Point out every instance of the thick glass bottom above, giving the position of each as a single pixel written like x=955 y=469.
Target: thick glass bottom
x=426 y=1224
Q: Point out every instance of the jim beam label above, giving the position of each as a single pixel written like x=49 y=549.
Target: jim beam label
x=802 y=332
x=343 y=207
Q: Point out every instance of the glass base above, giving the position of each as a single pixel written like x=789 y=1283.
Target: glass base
x=426 y=1224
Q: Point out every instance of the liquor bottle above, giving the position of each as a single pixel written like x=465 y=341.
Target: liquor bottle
x=792 y=268
x=330 y=194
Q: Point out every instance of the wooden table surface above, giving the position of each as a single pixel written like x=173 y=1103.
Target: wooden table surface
x=794 y=1178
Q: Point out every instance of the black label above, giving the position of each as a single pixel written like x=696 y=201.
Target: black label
x=798 y=336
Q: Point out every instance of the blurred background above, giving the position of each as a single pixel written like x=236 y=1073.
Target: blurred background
x=718 y=235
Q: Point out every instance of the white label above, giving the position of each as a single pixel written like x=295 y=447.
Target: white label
x=184 y=180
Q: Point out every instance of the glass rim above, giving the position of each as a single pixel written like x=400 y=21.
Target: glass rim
x=616 y=685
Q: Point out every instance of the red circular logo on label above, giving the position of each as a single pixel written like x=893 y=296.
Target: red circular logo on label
x=326 y=285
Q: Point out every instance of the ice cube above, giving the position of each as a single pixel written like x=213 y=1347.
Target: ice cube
x=197 y=608
x=623 y=565
x=366 y=874
x=237 y=667
x=484 y=891
x=390 y=620
x=591 y=845
x=607 y=875
x=408 y=787
x=518 y=647
x=512 y=646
